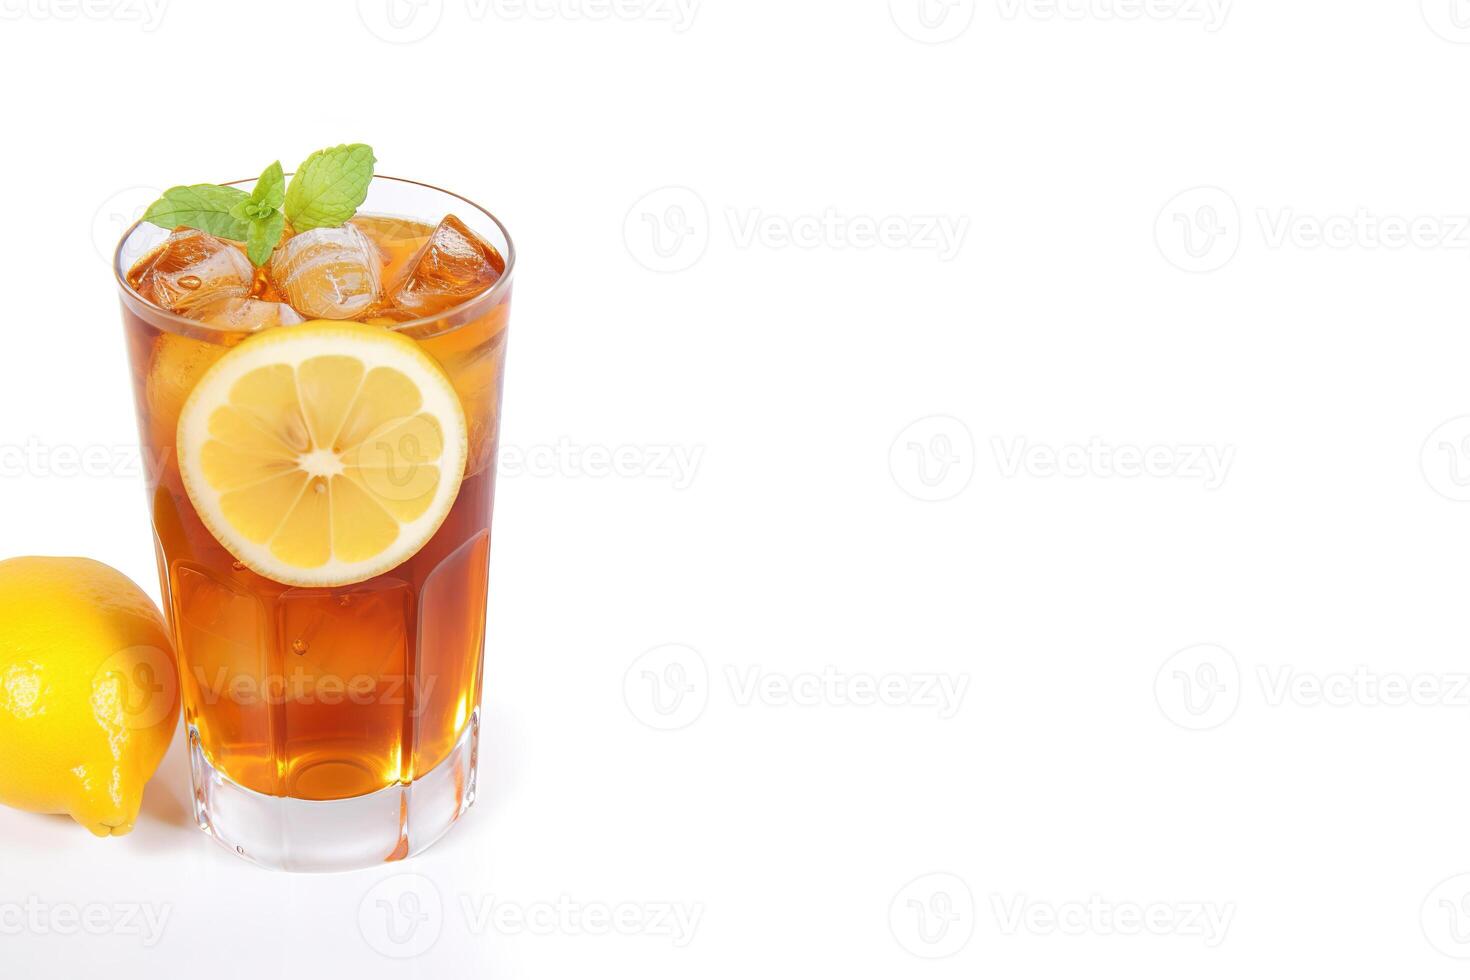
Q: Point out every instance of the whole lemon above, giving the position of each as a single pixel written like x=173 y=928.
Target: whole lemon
x=89 y=691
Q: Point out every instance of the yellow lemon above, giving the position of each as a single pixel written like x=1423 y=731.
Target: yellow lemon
x=325 y=453
x=89 y=692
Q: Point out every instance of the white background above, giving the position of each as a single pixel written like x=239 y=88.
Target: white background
x=1191 y=231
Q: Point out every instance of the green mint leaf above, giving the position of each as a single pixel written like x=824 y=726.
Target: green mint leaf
x=270 y=188
x=248 y=210
x=329 y=186
x=208 y=207
x=262 y=237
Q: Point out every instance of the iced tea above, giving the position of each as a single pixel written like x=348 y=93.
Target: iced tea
x=297 y=695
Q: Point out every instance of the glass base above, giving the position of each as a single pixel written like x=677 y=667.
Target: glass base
x=335 y=835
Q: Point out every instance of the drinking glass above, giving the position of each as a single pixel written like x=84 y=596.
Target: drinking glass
x=328 y=728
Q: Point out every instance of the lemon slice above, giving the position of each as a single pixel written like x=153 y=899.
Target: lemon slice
x=323 y=454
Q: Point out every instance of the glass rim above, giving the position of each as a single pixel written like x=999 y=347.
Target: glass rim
x=198 y=327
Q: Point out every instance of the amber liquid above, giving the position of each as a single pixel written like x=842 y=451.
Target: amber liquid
x=317 y=693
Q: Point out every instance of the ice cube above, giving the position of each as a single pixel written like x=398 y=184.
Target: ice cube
x=189 y=269
x=453 y=265
x=329 y=273
x=242 y=313
x=175 y=366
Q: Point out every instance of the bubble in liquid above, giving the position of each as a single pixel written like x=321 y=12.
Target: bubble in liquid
x=298 y=647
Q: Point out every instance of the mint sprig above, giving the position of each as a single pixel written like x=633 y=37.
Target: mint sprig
x=261 y=212
x=203 y=206
x=324 y=192
x=329 y=186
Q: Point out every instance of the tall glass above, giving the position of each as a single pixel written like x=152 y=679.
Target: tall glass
x=329 y=728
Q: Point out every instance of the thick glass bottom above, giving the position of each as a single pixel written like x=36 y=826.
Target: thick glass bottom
x=335 y=835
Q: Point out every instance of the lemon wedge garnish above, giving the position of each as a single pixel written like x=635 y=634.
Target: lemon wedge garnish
x=325 y=453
